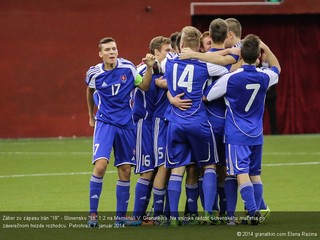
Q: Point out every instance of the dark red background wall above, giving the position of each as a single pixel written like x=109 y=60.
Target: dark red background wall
x=47 y=47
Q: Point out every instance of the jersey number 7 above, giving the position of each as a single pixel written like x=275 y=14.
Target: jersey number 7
x=255 y=87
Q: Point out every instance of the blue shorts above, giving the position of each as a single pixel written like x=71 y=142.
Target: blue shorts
x=159 y=128
x=244 y=159
x=144 y=147
x=187 y=141
x=218 y=132
x=122 y=140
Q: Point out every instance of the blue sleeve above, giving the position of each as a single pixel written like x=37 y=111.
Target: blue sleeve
x=275 y=69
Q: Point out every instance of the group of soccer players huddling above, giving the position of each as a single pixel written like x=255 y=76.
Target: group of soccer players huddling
x=194 y=105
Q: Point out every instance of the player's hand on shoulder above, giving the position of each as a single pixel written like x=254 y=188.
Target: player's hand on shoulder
x=149 y=59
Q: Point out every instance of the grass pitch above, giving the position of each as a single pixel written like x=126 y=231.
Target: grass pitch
x=52 y=175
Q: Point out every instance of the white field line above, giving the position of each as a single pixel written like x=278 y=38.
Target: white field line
x=291 y=153
x=51 y=174
x=289 y=164
x=112 y=172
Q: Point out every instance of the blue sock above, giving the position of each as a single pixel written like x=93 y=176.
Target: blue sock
x=215 y=204
x=122 y=194
x=231 y=191
x=247 y=194
x=141 y=195
x=263 y=204
x=166 y=210
x=148 y=195
x=258 y=191
x=216 y=200
x=158 y=200
x=222 y=198
x=209 y=189
x=95 y=192
x=174 y=192
x=192 y=192
x=200 y=183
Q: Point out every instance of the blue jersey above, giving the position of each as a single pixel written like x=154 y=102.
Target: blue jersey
x=244 y=92
x=113 y=89
x=144 y=101
x=161 y=104
x=217 y=107
x=189 y=77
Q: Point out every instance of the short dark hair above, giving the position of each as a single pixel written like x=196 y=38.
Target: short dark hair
x=250 y=49
x=173 y=38
x=218 y=30
x=178 y=40
x=105 y=40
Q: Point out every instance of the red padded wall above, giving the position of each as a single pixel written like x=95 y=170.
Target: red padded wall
x=47 y=47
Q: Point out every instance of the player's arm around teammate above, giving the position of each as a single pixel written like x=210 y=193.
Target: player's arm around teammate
x=243 y=129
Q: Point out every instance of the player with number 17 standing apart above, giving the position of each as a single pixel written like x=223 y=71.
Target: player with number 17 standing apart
x=113 y=80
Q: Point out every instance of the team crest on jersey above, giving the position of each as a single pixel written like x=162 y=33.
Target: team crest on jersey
x=123 y=78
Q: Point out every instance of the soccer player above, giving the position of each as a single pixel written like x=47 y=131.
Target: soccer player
x=189 y=132
x=244 y=92
x=173 y=37
x=159 y=128
x=231 y=185
x=205 y=42
x=234 y=40
x=113 y=80
x=143 y=109
x=160 y=124
x=234 y=34
x=218 y=30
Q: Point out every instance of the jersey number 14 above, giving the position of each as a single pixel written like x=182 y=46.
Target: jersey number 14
x=186 y=78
